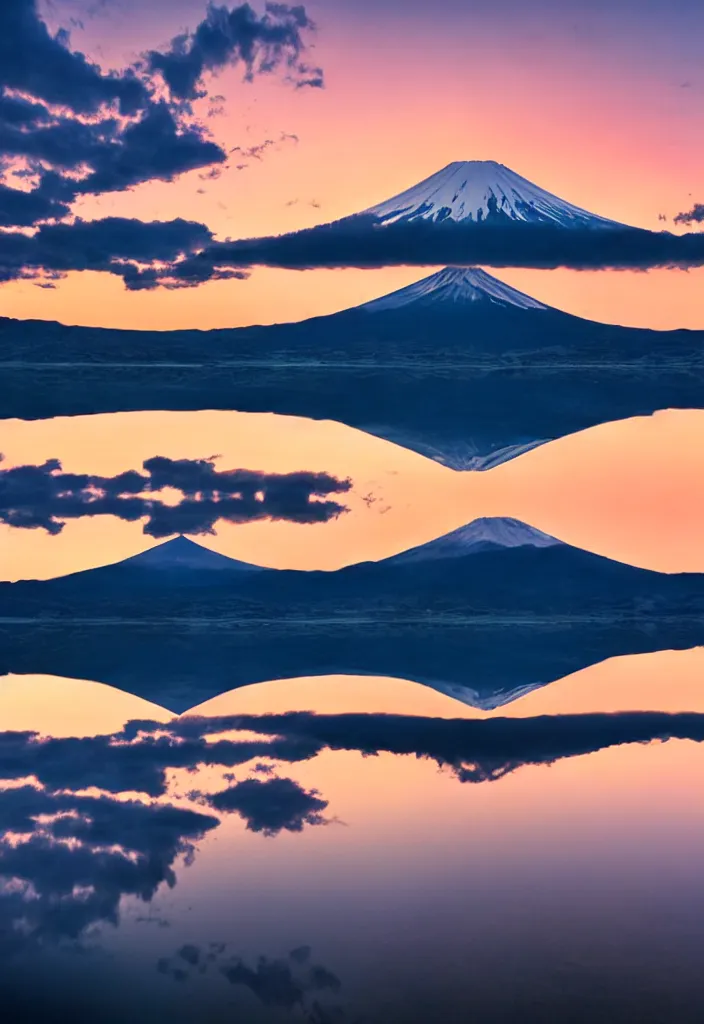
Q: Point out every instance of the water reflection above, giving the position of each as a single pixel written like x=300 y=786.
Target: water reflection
x=170 y=864
x=459 y=367
x=630 y=490
x=178 y=665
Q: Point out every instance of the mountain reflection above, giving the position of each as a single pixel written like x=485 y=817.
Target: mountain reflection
x=483 y=663
x=243 y=831
x=608 y=489
x=68 y=857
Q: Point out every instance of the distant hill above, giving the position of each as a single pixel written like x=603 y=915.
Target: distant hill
x=490 y=568
x=459 y=367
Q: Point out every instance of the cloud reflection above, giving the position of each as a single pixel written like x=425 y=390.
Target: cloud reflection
x=44 y=496
x=68 y=857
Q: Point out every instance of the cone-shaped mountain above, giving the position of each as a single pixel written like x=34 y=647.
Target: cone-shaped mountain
x=479 y=191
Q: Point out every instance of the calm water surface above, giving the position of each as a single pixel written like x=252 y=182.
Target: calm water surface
x=386 y=854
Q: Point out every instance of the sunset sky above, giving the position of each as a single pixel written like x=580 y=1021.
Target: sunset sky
x=600 y=103
x=630 y=490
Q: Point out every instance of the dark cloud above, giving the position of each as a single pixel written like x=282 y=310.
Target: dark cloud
x=73 y=858
x=44 y=496
x=68 y=859
x=693 y=216
x=274 y=983
x=271 y=805
x=190 y=953
x=41 y=65
x=288 y=983
x=71 y=129
x=110 y=764
x=262 y=44
x=363 y=242
x=153 y=147
x=117 y=245
x=22 y=209
x=476 y=751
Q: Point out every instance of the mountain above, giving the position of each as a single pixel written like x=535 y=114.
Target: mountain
x=458 y=366
x=457 y=288
x=483 y=614
x=489 y=568
x=479 y=191
x=181 y=557
x=485 y=534
x=179 y=665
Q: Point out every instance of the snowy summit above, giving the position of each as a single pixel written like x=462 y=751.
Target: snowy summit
x=484 y=534
x=454 y=286
x=481 y=190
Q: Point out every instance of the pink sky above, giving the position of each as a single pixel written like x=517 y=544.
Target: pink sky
x=607 y=127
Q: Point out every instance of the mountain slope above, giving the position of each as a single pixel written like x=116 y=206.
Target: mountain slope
x=491 y=567
x=481 y=191
x=459 y=367
x=485 y=534
x=456 y=287
x=182 y=555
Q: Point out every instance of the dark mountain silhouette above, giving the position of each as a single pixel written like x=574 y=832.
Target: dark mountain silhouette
x=484 y=663
x=459 y=367
x=489 y=567
x=179 y=561
x=481 y=614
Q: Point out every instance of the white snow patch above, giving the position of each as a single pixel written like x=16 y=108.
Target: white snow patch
x=463 y=191
x=454 y=286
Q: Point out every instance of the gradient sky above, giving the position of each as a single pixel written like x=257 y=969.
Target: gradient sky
x=594 y=860
x=632 y=490
x=600 y=102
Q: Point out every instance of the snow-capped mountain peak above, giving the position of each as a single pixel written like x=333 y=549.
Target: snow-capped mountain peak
x=454 y=286
x=476 y=191
x=480 y=535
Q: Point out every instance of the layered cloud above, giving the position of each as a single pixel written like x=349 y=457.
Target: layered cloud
x=362 y=241
x=69 y=129
x=68 y=857
x=45 y=497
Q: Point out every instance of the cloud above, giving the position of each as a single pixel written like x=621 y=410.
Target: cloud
x=272 y=805
x=256 y=152
x=45 y=497
x=68 y=860
x=110 y=764
x=290 y=983
x=71 y=857
x=307 y=202
x=69 y=129
x=262 y=44
x=41 y=65
x=117 y=245
x=693 y=216
x=476 y=751
x=22 y=209
x=363 y=242
x=275 y=983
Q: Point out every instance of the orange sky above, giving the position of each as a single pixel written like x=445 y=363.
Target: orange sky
x=610 y=130
x=668 y=681
x=631 y=490
x=375 y=790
